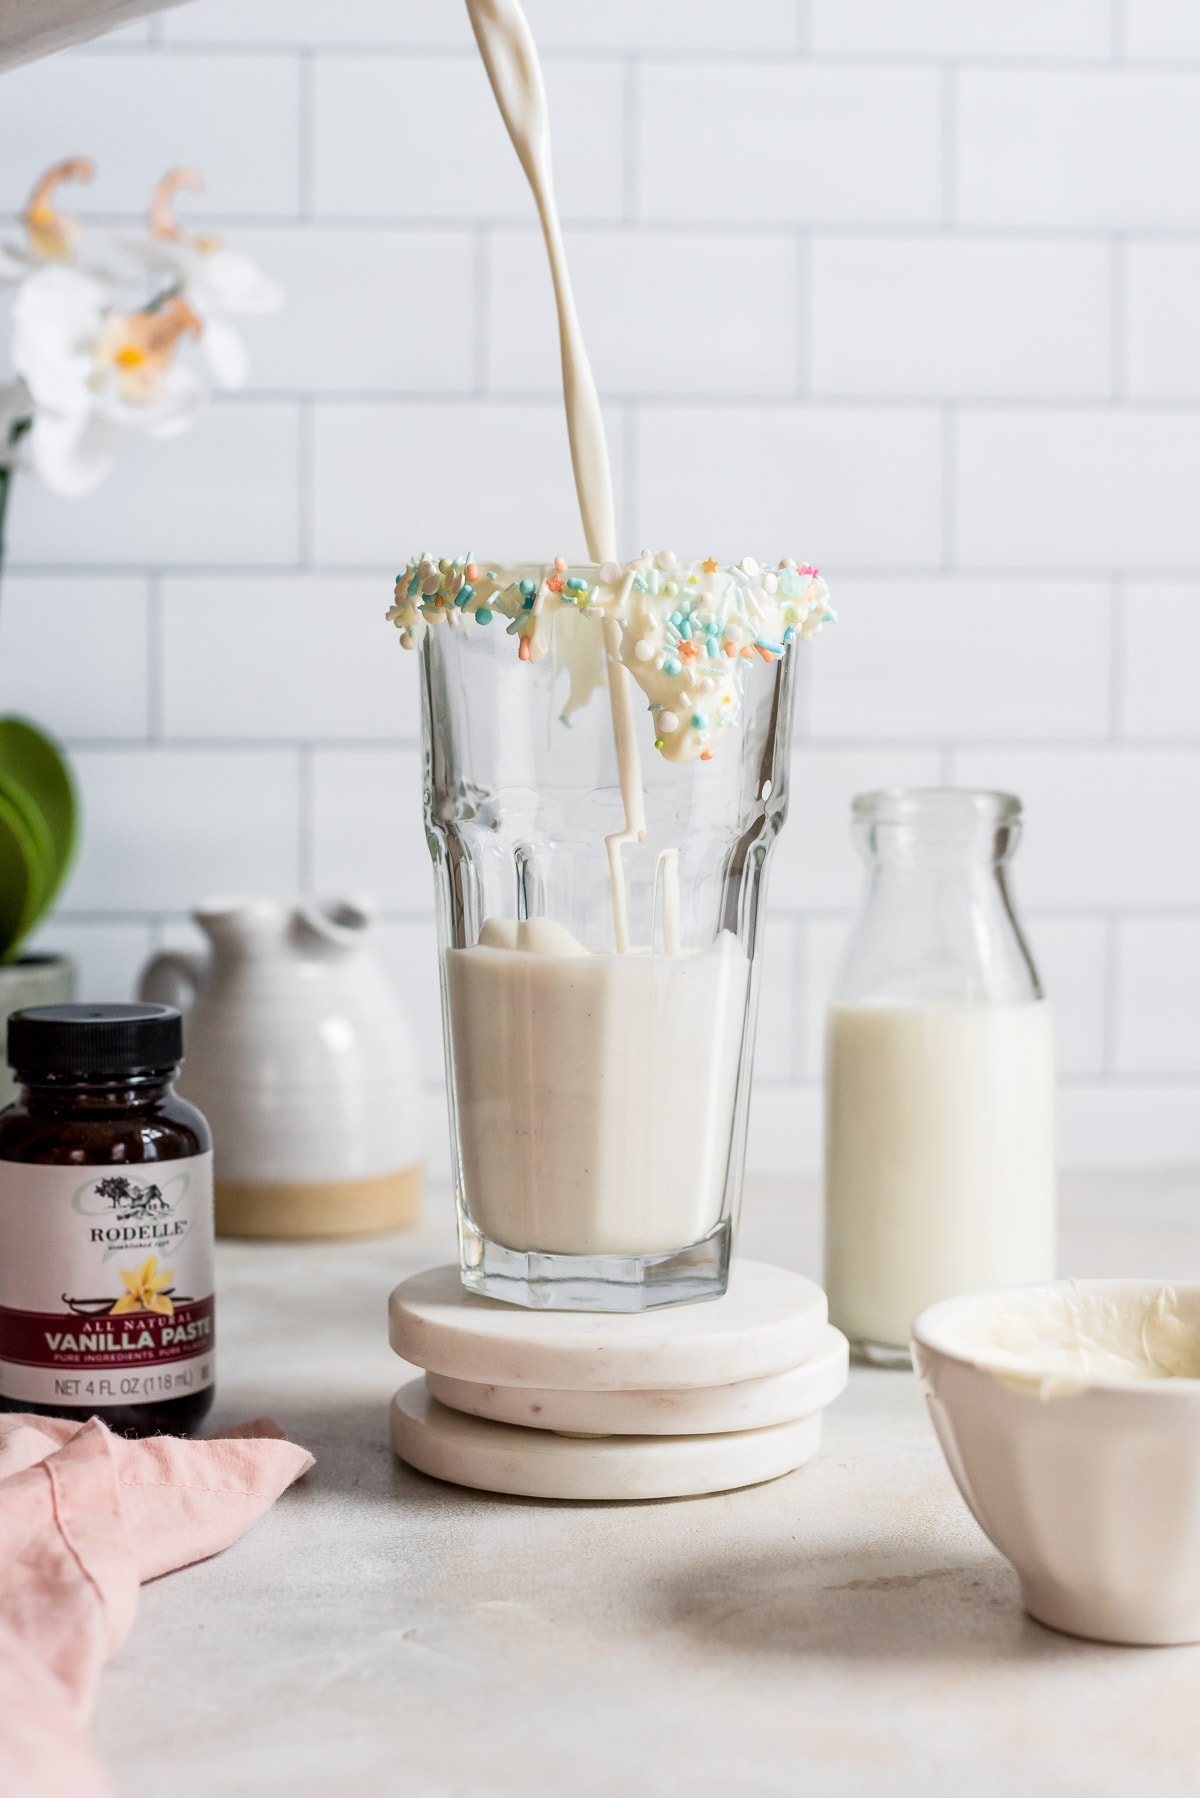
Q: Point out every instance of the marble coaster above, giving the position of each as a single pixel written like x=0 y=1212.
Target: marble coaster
x=768 y=1322
x=500 y=1457
x=680 y=1411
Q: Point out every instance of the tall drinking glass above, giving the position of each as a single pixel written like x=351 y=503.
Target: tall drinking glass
x=598 y=1099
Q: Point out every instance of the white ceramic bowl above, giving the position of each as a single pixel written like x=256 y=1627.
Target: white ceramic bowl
x=1093 y=1495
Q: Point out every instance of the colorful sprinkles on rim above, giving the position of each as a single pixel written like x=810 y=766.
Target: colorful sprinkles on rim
x=687 y=628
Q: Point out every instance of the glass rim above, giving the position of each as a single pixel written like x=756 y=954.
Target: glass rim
x=935 y=805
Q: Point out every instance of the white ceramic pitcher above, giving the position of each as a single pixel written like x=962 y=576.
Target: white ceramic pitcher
x=299 y=1056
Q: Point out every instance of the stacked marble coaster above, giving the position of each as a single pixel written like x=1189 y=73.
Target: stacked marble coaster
x=586 y=1405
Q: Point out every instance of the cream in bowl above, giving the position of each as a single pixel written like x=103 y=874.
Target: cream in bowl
x=1069 y=1415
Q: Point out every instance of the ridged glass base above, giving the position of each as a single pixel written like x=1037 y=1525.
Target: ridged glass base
x=543 y=1282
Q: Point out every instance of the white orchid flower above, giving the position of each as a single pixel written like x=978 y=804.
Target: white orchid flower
x=215 y=282
x=88 y=367
x=51 y=235
x=91 y=370
x=71 y=301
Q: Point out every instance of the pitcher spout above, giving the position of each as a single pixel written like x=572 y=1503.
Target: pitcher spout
x=332 y=926
x=238 y=925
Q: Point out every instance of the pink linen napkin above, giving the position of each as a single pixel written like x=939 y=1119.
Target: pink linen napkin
x=85 y=1516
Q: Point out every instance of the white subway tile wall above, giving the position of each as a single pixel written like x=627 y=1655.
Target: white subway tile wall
x=228 y=494
x=660 y=332
x=376 y=122
x=910 y=290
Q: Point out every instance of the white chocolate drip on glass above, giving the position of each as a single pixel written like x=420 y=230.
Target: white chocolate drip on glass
x=686 y=632
x=514 y=70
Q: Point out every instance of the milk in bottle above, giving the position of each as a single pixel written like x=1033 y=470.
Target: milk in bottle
x=939 y=1157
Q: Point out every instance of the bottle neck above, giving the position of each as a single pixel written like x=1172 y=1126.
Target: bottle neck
x=57 y=1094
x=941 y=881
x=938 y=924
x=920 y=847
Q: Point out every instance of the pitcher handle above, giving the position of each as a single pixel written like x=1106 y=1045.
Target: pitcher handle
x=173 y=978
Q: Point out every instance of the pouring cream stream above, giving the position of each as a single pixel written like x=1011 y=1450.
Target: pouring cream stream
x=514 y=70
x=565 y=1059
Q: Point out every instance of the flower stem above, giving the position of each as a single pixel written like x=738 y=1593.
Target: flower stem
x=16 y=430
x=5 y=484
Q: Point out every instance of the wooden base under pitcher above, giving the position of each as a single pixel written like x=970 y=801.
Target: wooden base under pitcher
x=316 y=1208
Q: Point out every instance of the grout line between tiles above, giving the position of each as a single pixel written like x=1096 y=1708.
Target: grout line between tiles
x=1120 y=319
x=1118 y=602
x=877 y=573
x=155 y=659
x=789 y=51
x=305 y=135
x=305 y=486
x=305 y=821
x=838 y=915
x=481 y=274
x=949 y=149
x=1119 y=29
x=1111 y=997
x=1036 y=407
x=630 y=142
x=949 y=487
x=1099 y=749
x=804 y=28
x=801 y=997
x=630 y=476
x=804 y=350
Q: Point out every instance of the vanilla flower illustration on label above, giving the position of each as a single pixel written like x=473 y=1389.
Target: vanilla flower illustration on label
x=147 y=1288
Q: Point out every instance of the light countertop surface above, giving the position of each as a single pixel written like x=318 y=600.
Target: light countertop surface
x=845 y=1630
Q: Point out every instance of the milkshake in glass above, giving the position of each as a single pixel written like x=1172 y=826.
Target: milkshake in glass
x=606 y=766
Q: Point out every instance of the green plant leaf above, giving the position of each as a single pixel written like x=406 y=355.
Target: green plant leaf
x=22 y=878
x=40 y=842
x=34 y=760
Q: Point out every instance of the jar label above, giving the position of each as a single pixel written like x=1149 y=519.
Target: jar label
x=106 y=1282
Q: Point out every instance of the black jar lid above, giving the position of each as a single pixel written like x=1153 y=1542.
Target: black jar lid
x=94 y=1039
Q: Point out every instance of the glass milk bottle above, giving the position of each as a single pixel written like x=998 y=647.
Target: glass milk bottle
x=939 y=1073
